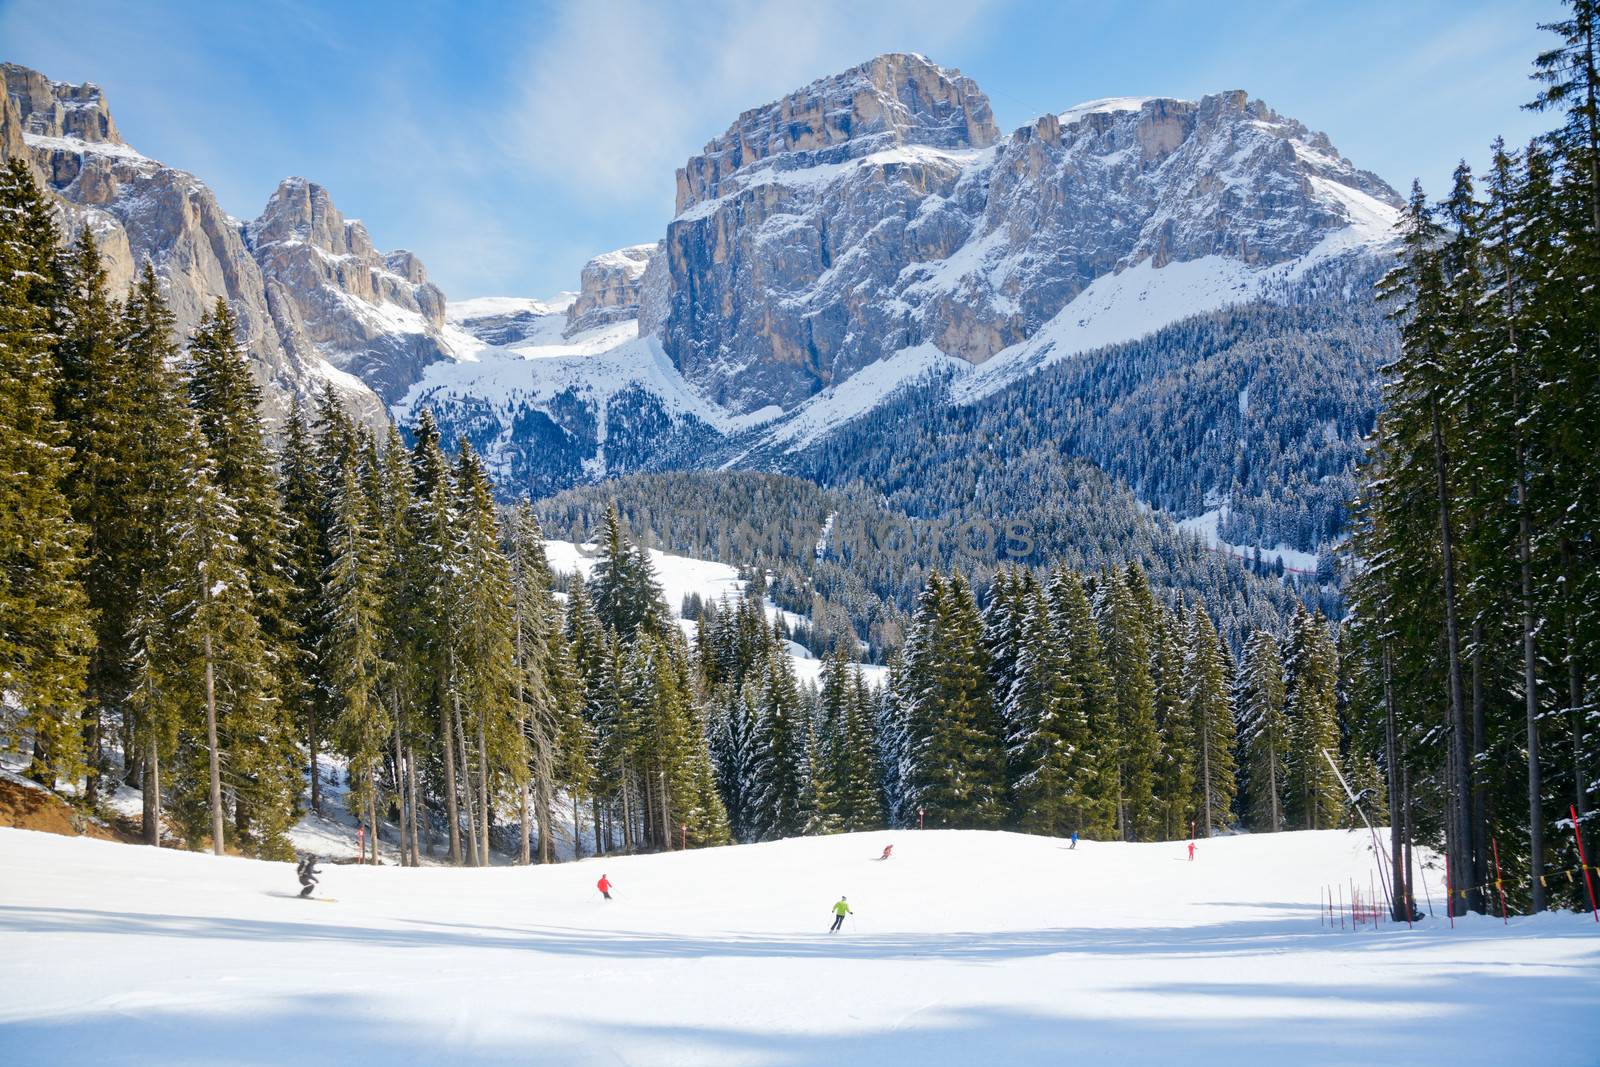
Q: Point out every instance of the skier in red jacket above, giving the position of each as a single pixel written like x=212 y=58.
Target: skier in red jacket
x=604 y=885
x=887 y=850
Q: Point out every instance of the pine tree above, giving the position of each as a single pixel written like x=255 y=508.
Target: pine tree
x=953 y=760
x=434 y=594
x=1263 y=729
x=482 y=621
x=1047 y=729
x=1073 y=620
x=227 y=405
x=852 y=781
x=352 y=657
x=622 y=587
x=152 y=464
x=777 y=761
x=305 y=560
x=1178 y=765
x=1311 y=672
x=213 y=660
x=1207 y=671
x=1126 y=641
x=45 y=634
x=534 y=629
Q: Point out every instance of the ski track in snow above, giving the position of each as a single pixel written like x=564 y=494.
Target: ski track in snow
x=968 y=948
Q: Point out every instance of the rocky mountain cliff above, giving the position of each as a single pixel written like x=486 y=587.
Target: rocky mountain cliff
x=317 y=305
x=878 y=210
x=866 y=238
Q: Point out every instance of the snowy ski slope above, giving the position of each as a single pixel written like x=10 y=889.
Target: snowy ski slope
x=966 y=948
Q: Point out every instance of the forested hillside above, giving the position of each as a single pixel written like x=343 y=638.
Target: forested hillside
x=1261 y=406
x=851 y=561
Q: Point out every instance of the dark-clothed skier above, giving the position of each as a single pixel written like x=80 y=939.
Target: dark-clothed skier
x=840 y=910
x=307 y=872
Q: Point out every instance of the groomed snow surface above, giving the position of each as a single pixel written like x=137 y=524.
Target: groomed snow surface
x=966 y=948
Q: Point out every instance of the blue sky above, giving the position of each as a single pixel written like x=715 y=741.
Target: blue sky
x=507 y=143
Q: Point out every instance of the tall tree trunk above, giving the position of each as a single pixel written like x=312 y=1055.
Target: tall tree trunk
x=1405 y=797
x=666 y=814
x=483 y=793
x=418 y=807
x=1397 y=897
x=316 y=768
x=577 y=830
x=542 y=798
x=1530 y=680
x=627 y=818
x=152 y=792
x=400 y=784
x=466 y=780
x=1460 y=770
x=1272 y=783
x=1580 y=787
x=525 y=853
x=452 y=812
x=1480 y=789
x=1205 y=769
x=211 y=742
x=92 y=753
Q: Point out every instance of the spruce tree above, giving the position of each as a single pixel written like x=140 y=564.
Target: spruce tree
x=1126 y=641
x=1047 y=729
x=305 y=560
x=1311 y=674
x=1073 y=621
x=1208 y=672
x=45 y=633
x=214 y=660
x=777 y=761
x=149 y=450
x=1263 y=729
x=352 y=657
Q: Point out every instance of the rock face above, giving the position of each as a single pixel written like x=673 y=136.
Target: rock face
x=609 y=288
x=794 y=221
x=371 y=315
x=317 y=305
x=877 y=210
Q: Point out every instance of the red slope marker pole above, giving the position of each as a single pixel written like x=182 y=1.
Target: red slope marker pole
x=1498 y=884
x=1588 y=883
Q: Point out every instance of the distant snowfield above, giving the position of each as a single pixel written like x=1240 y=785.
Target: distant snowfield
x=679 y=576
x=966 y=948
x=1205 y=525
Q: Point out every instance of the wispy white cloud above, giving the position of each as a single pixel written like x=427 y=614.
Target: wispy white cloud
x=615 y=96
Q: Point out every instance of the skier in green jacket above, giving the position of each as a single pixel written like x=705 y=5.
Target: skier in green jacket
x=840 y=910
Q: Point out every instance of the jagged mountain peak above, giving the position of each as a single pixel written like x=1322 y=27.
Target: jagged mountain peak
x=59 y=109
x=898 y=98
x=317 y=304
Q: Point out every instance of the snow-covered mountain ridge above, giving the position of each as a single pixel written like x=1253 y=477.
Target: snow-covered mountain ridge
x=318 y=306
x=869 y=232
x=873 y=230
